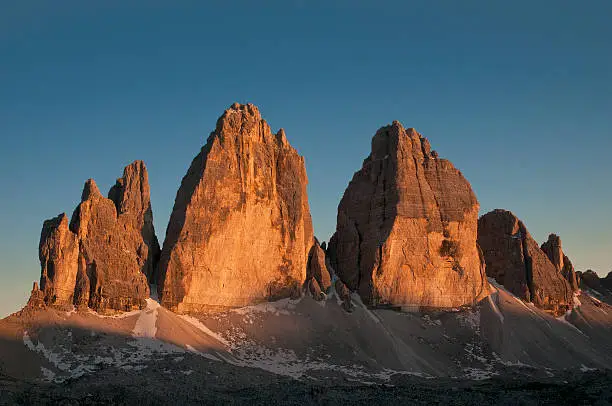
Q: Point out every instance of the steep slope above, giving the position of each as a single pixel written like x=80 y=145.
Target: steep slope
x=240 y=230
x=310 y=341
x=516 y=261
x=406 y=230
x=102 y=259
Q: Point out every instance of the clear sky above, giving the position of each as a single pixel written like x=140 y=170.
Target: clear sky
x=517 y=94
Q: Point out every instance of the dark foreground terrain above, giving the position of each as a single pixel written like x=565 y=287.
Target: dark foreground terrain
x=111 y=387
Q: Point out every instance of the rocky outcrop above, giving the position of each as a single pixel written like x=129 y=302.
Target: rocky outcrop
x=406 y=227
x=58 y=252
x=315 y=290
x=591 y=280
x=344 y=294
x=103 y=257
x=607 y=281
x=317 y=267
x=516 y=261
x=553 y=249
x=240 y=231
x=37 y=298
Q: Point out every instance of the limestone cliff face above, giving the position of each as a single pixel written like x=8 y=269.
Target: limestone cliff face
x=58 y=252
x=516 y=261
x=132 y=198
x=102 y=258
x=407 y=224
x=240 y=230
x=554 y=250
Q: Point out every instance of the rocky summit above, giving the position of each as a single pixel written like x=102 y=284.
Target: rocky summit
x=102 y=258
x=406 y=228
x=240 y=231
x=516 y=261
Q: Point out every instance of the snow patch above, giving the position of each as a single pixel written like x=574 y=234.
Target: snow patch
x=576 y=300
x=54 y=358
x=595 y=299
x=146 y=325
x=48 y=375
x=477 y=374
x=493 y=304
x=584 y=368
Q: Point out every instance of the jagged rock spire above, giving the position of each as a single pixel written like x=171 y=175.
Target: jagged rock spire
x=102 y=259
x=240 y=230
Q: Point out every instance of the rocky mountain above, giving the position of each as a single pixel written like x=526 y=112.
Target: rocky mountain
x=407 y=226
x=396 y=308
x=601 y=287
x=240 y=231
x=103 y=257
x=514 y=259
x=554 y=250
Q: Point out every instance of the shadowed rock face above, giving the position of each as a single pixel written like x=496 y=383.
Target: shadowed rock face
x=590 y=280
x=317 y=267
x=406 y=230
x=103 y=257
x=516 y=261
x=553 y=249
x=240 y=230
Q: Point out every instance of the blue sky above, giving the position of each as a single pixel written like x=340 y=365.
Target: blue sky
x=517 y=94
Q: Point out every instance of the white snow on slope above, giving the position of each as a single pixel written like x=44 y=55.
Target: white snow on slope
x=70 y=364
x=576 y=300
x=146 y=324
x=493 y=304
x=285 y=362
x=54 y=358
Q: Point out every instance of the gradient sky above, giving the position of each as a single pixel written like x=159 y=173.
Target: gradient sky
x=518 y=95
